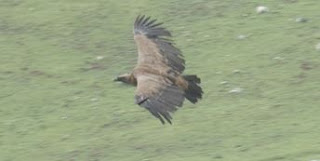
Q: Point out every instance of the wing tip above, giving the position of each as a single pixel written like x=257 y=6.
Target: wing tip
x=163 y=116
x=147 y=26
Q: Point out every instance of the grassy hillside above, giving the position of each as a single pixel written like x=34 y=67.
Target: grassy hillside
x=58 y=101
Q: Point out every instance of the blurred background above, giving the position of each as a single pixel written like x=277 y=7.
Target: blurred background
x=259 y=64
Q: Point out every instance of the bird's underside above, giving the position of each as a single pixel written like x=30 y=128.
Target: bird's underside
x=161 y=87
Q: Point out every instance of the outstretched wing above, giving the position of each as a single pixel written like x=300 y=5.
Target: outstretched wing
x=159 y=96
x=154 y=47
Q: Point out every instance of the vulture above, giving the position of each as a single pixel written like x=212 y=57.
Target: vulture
x=161 y=87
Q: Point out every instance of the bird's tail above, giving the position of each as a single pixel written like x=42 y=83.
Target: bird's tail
x=194 y=92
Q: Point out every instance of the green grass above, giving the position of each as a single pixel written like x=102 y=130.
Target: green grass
x=58 y=102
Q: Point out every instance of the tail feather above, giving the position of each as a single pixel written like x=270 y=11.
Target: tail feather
x=194 y=92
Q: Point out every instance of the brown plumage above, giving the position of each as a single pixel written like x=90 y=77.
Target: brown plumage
x=161 y=87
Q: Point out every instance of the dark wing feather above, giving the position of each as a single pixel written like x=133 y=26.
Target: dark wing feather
x=158 y=36
x=158 y=96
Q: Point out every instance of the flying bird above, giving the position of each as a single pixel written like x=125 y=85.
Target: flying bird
x=160 y=85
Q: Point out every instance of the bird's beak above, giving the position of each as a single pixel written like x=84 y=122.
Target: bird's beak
x=116 y=79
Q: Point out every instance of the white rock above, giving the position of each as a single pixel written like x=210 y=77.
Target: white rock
x=278 y=58
x=262 y=9
x=146 y=159
x=301 y=20
x=224 y=82
x=318 y=47
x=236 y=71
x=99 y=57
x=94 y=99
x=236 y=90
x=241 y=37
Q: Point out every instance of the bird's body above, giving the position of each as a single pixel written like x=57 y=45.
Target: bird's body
x=161 y=87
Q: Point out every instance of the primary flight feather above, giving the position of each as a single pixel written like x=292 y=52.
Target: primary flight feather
x=161 y=87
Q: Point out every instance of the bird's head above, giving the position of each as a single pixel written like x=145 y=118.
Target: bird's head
x=125 y=78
